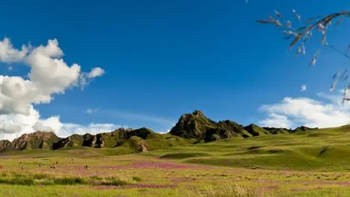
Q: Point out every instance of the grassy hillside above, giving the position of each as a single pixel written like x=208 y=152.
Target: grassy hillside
x=322 y=149
x=251 y=147
x=304 y=163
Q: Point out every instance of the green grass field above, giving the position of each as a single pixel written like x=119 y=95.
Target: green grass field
x=313 y=163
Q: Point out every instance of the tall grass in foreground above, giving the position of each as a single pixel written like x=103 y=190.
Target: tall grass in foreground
x=14 y=178
x=225 y=190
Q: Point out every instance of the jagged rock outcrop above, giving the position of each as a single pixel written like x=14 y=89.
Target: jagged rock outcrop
x=5 y=145
x=104 y=140
x=197 y=125
x=136 y=140
x=193 y=125
x=36 y=140
x=72 y=141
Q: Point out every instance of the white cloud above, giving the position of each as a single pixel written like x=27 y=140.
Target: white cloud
x=91 y=111
x=53 y=123
x=85 y=78
x=9 y=54
x=293 y=112
x=276 y=120
x=139 y=117
x=303 y=88
x=92 y=128
x=95 y=72
x=66 y=129
x=14 y=126
x=48 y=75
x=16 y=123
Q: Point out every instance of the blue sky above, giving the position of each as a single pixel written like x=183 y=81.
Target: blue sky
x=166 y=58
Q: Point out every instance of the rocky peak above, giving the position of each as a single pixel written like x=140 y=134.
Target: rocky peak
x=192 y=125
x=197 y=125
x=197 y=113
x=39 y=134
x=303 y=128
x=38 y=139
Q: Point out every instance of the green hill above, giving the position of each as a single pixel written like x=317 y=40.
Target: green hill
x=199 y=127
x=251 y=146
x=301 y=149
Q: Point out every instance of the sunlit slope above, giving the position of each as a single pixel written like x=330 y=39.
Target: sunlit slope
x=322 y=149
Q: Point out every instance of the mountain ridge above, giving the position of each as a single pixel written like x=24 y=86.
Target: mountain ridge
x=191 y=128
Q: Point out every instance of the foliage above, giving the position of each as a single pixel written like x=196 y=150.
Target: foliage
x=301 y=34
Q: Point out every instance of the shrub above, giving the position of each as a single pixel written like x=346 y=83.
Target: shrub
x=137 y=179
x=114 y=181
x=18 y=181
x=69 y=181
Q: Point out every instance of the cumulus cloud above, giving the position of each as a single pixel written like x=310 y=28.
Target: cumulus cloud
x=13 y=126
x=303 y=88
x=66 y=129
x=9 y=54
x=48 y=75
x=52 y=123
x=293 y=112
x=16 y=123
x=276 y=120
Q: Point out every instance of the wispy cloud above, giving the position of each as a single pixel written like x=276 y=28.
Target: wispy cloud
x=91 y=111
x=303 y=88
x=138 y=117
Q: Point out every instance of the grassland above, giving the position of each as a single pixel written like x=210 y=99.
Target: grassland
x=312 y=163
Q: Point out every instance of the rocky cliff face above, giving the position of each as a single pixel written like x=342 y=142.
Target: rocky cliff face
x=196 y=125
x=37 y=140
